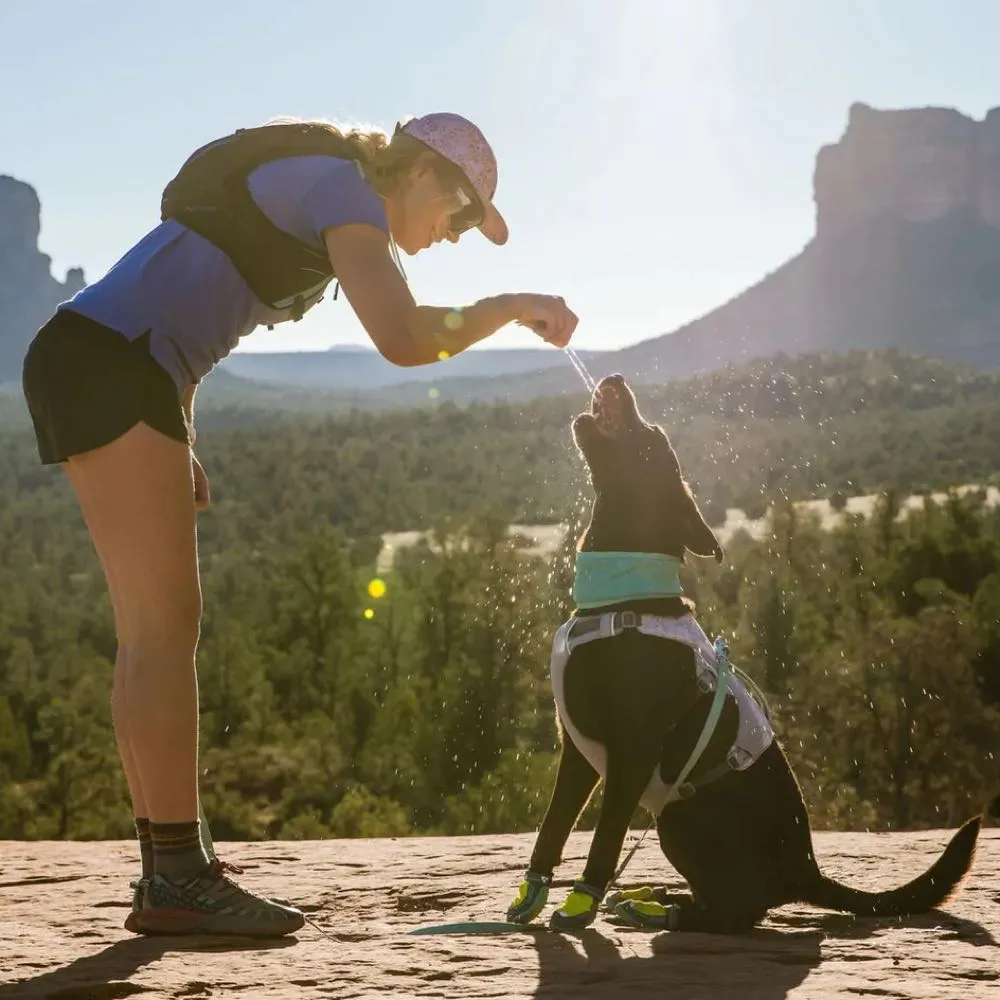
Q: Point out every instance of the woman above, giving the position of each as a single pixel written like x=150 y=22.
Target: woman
x=110 y=382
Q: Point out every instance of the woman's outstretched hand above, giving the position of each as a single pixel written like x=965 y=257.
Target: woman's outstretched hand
x=548 y=316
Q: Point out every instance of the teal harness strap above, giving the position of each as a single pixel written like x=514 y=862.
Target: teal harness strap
x=714 y=713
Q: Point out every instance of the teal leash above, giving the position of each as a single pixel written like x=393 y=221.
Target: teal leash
x=707 y=731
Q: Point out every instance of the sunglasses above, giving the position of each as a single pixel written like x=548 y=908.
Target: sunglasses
x=470 y=213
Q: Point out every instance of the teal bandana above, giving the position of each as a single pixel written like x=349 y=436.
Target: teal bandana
x=613 y=577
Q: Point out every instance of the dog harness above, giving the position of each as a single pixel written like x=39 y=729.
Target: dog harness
x=754 y=734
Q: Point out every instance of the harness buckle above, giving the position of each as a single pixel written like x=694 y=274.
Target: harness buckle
x=626 y=619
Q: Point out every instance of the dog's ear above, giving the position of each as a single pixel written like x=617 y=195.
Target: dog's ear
x=697 y=536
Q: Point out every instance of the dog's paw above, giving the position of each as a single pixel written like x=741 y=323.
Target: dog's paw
x=648 y=915
x=579 y=910
x=531 y=898
x=611 y=901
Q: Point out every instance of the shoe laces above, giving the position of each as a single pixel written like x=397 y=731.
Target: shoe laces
x=226 y=868
x=222 y=872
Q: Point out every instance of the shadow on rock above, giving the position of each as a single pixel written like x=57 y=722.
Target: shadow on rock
x=105 y=974
x=765 y=964
x=762 y=965
x=841 y=925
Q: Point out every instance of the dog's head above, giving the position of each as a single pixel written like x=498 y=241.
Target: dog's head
x=641 y=502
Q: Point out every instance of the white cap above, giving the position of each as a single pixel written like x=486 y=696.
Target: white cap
x=459 y=141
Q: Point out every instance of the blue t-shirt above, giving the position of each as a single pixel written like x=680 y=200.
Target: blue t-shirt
x=187 y=293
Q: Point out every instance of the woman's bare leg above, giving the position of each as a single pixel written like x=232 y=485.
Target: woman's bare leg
x=138 y=497
x=119 y=711
x=137 y=494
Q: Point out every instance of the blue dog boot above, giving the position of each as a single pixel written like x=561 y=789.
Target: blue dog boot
x=531 y=898
x=579 y=910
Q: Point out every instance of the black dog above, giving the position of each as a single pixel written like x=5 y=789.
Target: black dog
x=739 y=832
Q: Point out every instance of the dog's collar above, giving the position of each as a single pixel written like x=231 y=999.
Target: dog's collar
x=603 y=578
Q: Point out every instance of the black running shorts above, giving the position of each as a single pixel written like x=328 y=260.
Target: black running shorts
x=86 y=385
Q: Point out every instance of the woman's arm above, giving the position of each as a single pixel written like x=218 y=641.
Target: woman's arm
x=409 y=334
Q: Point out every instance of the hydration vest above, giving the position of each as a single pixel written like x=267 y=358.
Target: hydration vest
x=211 y=196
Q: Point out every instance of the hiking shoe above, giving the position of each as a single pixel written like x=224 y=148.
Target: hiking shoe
x=212 y=903
x=138 y=890
x=228 y=866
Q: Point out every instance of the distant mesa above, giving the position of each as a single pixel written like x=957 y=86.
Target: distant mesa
x=912 y=164
x=28 y=290
x=905 y=254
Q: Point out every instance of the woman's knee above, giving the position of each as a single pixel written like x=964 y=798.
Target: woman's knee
x=173 y=628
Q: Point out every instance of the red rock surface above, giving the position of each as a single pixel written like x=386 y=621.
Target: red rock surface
x=62 y=906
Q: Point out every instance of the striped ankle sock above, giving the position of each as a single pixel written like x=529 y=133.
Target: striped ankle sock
x=145 y=845
x=177 y=850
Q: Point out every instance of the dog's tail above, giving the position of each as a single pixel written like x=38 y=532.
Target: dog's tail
x=924 y=893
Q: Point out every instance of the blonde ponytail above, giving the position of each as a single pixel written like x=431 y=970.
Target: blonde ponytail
x=384 y=159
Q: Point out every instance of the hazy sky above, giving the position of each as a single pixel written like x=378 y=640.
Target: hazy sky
x=655 y=156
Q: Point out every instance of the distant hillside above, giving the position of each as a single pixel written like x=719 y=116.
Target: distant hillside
x=926 y=287
x=911 y=380
x=905 y=254
x=813 y=388
x=807 y=427
x=361 y=368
